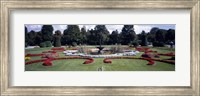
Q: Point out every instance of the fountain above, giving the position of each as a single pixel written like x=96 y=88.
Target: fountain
x=100 y=47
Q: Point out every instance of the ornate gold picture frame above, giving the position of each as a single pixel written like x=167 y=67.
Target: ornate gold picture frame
x=6 y=6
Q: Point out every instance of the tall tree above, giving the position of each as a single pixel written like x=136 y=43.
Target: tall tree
x=38 y=38
x=57 y=38
x=83 y=35
x=143 y=38
x=151 y=35
x=128 y=34
x=160 y=35
x=47 y=32
x=114 y=37
x=72 y=34
x=102 y=34
x=26 y=37
x=170 y=35
x=91 y=37
x=32 y=35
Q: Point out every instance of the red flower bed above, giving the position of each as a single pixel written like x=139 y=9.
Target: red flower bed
x=151 y=62
x=34 y=54
x=167 y=54
x=148 y=59
x=106 y=60
x=150 y=55
x=150 y=51
x=50 y=59
x=58 y=49
x=47 y=62
x=34 y=61
x=142 y=49
x=88 y=61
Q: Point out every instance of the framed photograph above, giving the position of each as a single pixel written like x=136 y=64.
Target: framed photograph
x=83 y=47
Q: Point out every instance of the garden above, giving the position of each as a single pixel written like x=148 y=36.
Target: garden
x=55 y=59
x=99 y=49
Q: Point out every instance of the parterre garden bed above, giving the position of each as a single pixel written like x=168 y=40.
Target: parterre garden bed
x=116 y=65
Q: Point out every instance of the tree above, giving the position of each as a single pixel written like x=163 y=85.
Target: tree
x=91 y=37
x=143 y=38
x=160 y=35
x=26 y=37
x=170 y=35
x=57 y=38
x=38 y=38
x=32 y=35
x=47 y=32
x=114 y=37
x=83 y=35
x=71 y=35
x=101 y=33
x=151 y=34
x=128 y=34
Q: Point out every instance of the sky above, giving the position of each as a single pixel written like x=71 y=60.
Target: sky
x=137 y=27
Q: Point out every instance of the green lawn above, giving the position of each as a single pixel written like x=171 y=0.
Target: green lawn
x=116 y=65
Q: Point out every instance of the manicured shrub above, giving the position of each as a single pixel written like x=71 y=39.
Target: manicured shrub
x=48 y=43
x=42 y=45
x=135 y=43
